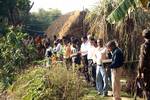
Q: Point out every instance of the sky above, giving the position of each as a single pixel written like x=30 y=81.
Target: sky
x=63 y=5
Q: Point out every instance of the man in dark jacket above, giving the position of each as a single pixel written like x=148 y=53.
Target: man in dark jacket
x=116 y=69
x=144 y=63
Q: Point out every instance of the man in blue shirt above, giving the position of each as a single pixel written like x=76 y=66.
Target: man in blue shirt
x=116 y=69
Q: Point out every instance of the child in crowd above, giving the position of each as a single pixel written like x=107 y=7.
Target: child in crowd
x=76 y=60
x=67 y=53
x=48 y=54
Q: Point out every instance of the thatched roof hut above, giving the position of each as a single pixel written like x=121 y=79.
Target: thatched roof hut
x=71 y=24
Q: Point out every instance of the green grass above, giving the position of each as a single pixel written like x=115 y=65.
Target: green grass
x=92 y=95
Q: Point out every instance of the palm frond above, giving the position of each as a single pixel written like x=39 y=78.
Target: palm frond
x=120 y=12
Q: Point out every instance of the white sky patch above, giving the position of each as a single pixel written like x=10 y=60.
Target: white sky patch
x=63 y=5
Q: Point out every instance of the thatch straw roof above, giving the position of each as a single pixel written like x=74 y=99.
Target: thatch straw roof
x=68 y=24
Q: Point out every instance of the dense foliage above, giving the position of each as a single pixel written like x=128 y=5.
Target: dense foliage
x=14 y=55
x=56 y=83
x=13 y=12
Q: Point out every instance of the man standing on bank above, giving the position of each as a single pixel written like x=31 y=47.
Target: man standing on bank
x=101 y=76
x=116 y=68
x=144 y=63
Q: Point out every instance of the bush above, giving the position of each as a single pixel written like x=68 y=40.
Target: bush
x=56 y=83
x=14 y=55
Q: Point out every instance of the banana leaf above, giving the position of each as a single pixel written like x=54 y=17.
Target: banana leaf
x=120 y=12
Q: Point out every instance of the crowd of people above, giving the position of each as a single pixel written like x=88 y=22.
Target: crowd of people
x=39 y=41
x=91 y=53
x=101 y=62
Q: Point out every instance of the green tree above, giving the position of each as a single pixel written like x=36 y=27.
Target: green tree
x=39 y=21
x=13 y=12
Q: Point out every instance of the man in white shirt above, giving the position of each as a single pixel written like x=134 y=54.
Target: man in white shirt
x=84 y=52
x=84 y=46
x=59 y=46
x=101 y=76
x=91 y=61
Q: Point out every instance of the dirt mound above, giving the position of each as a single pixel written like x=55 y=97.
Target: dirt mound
x=69 y=24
